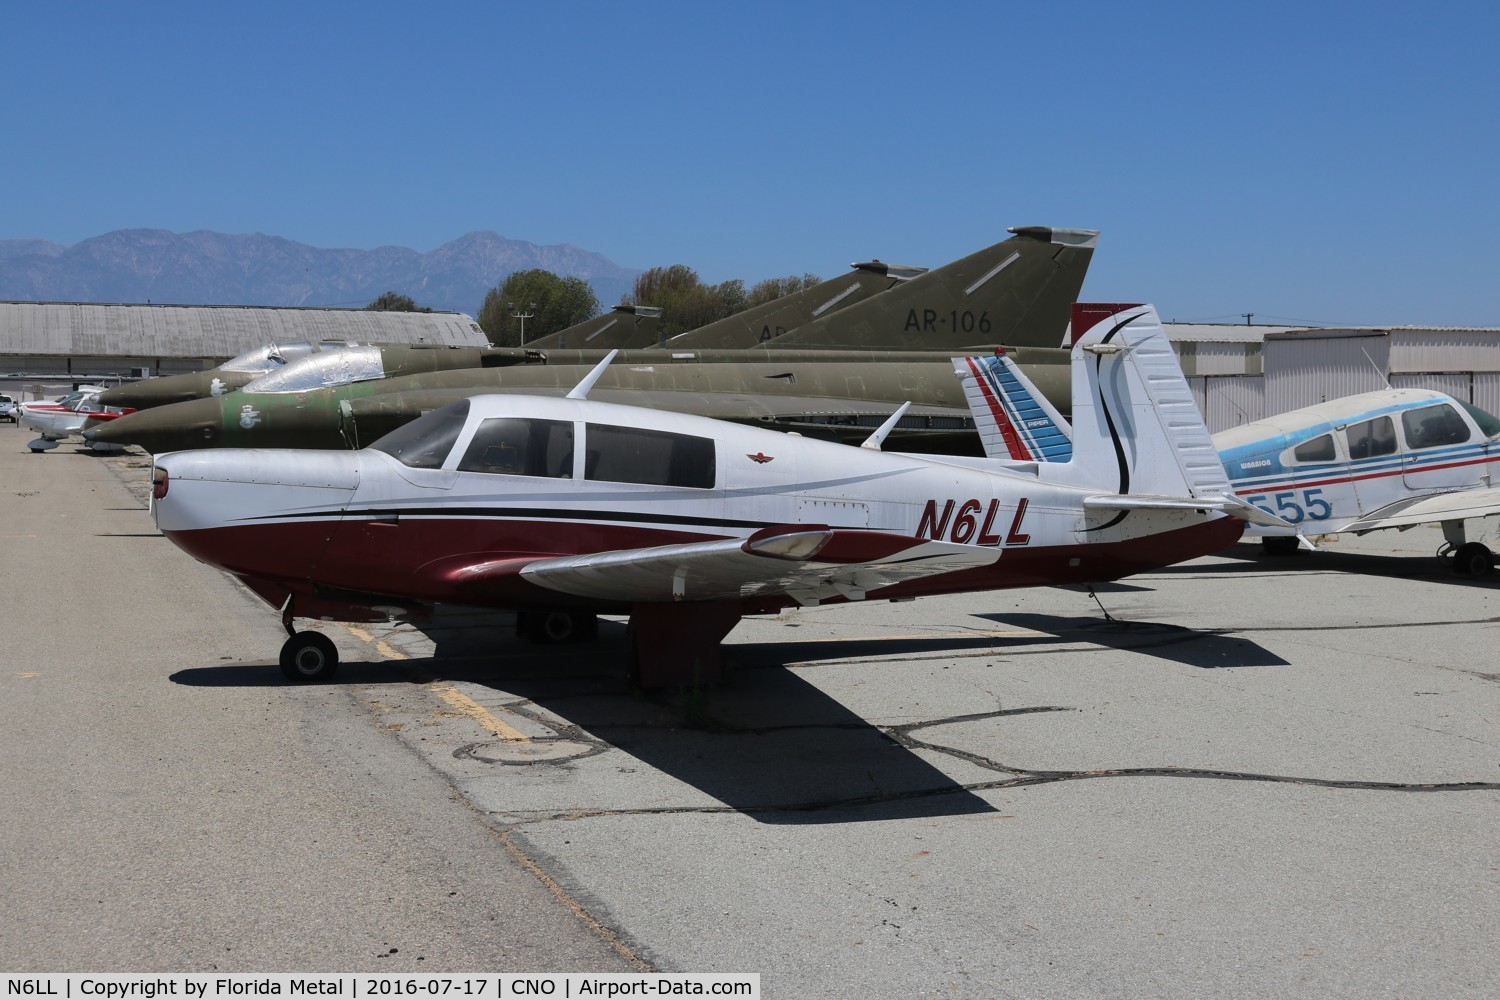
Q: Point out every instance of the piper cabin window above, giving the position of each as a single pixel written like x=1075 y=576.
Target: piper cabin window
x=652 y=458
x=1371 y=438
x=1319 y=449
x=514 y=446
x=1434 y=426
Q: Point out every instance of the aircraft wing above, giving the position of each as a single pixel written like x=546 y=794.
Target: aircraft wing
x=810 y=564
x=1428 y=509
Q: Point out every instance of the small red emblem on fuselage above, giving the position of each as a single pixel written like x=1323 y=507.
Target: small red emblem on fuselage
x=760 y=458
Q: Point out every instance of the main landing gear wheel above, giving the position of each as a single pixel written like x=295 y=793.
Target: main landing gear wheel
x=556 y=626
x=1473 y=559
x=309 y=657
x=1278 y=545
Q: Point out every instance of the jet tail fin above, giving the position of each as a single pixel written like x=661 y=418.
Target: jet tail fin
x=1013 y=418
x=1136 y=427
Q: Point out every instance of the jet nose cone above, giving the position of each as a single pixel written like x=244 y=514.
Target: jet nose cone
x=176 y=427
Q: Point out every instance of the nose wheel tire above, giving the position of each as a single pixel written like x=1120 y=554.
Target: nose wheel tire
x=1473 y=559
x=309 y=657
x=556 y=626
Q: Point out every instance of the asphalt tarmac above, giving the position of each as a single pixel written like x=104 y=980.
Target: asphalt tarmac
x=1268 y=777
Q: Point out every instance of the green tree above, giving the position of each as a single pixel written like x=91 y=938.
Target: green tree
x=774 y=288
x=549 y=303
x=396 y=302
x=686 y=303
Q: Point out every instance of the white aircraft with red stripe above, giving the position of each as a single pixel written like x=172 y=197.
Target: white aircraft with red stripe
x=562 y=509
x=1392 y=458
x=55 y=419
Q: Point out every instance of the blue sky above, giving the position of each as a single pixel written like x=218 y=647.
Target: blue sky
x=1331 y=163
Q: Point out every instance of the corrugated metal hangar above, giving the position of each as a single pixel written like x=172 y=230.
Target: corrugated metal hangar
x=1244 y=373
x=62 y=339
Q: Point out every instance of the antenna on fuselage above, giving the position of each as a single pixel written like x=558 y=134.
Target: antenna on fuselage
x=581 y=390
x=874 y=441
x=1383 y=376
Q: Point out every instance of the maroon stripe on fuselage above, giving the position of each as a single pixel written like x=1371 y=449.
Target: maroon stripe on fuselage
x=424 y=559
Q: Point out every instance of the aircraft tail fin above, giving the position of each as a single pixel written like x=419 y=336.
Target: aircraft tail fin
x=1013 y=418
x=1017 y=292
x=1136 y=427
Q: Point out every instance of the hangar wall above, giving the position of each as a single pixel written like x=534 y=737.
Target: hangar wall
x=86 y=338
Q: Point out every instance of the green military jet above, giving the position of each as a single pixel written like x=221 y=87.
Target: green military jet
x=958 y=305
x=1017 y=293
x=839 y=400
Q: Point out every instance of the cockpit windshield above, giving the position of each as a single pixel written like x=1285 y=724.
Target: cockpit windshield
x=426 y=441
x=1489 y=425
x=321 y=370
x=267 y=356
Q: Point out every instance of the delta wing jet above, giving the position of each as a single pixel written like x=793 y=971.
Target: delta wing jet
x=1392 y=458
x=562 y=509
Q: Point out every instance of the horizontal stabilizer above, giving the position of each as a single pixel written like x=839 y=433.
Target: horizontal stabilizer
x=808 y=564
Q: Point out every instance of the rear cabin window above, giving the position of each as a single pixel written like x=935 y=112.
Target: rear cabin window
x=514 y=446
x=1319 y=449
x=1371 y=438
x=427 y=440
x=1434 y=426
x=652 y=458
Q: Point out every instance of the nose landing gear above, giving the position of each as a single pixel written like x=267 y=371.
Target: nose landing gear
x=309 y=657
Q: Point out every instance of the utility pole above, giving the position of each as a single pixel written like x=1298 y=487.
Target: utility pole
x=1247 y=317
x=523 y=317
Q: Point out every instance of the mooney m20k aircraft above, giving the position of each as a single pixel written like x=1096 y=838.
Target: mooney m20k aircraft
x=1392 y=458
x=566 y=508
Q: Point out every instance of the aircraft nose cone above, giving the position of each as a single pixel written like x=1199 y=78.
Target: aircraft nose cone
x=175 y=427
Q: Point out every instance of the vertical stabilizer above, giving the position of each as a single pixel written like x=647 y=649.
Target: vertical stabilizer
x=1014 y=420
x=1136 y=429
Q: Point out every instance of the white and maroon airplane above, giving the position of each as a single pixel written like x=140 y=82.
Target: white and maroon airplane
x=562 y=509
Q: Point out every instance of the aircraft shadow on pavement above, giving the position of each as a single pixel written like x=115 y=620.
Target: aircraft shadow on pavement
x=766 y=743
x=1177 y=643
x=1248 y=560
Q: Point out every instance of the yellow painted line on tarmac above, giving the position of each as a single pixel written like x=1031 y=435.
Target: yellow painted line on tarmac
x=29 y=674
x=468 y=706
x=383 y=647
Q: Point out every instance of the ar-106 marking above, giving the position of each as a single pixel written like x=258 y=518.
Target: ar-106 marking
x=963 y=526
x=956 y=320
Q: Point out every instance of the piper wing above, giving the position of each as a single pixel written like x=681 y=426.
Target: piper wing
x=809 y=564
x=1412 y=511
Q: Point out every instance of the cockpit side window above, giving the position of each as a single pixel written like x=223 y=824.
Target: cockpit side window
x=1319 y=449
x=652 y=458
x=514 y=446
x=1371 y=438
x=1433 y=427
x=426 y=441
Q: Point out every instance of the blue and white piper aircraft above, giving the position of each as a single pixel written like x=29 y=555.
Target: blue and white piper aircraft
x=1392 y=458
x=561 y=509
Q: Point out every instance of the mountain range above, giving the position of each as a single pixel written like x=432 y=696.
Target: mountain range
x=208 y=268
